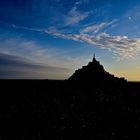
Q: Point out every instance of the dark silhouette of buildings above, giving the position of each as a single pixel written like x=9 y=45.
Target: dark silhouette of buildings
x=94 y=74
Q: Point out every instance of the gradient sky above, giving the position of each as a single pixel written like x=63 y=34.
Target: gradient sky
x=51 y=38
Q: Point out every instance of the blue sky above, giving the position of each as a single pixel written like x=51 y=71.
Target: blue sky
x=52 y=38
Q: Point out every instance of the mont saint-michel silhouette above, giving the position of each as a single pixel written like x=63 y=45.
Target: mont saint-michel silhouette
x=91 y=104
x=93 y=75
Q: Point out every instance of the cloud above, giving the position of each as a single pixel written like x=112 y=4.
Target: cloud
x=44 y=62
x=39 y=55
x=14 y=67
x=23 y=48
x=82 y=2
x=75 y=16
x=120 y=46
x=95 y=35
x=94 y=29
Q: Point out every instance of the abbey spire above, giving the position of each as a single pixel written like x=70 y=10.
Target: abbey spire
x=94 y=59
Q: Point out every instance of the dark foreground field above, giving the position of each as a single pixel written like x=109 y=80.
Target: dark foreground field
x=43 y=110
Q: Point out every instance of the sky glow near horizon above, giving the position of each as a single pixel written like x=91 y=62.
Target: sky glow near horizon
x=51 y=38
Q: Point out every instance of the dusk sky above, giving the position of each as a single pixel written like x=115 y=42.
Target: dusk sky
x=50 y=39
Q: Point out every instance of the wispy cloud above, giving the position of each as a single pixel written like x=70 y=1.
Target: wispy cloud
x=39 y=55
x=82 y=2
x=75 y=16
x=120 y=46
x=20 y=68
x=94 y=29
x=26 y=49
x=95 y=35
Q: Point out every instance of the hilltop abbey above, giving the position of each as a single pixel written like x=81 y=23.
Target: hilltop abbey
x=94 y=73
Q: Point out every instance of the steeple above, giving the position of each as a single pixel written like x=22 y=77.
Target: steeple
x=94 y=59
